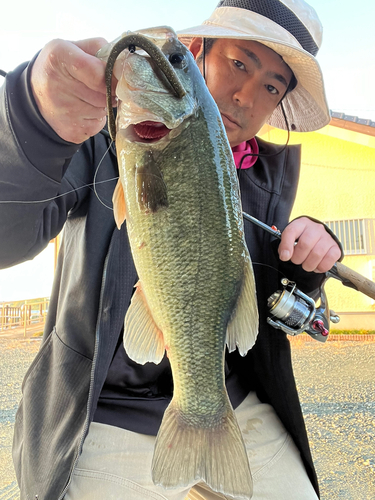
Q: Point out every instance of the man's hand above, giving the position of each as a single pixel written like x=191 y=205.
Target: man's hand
x=316 y=250
x=68 y=85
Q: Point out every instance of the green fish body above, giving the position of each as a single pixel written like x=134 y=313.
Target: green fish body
x=179 y=193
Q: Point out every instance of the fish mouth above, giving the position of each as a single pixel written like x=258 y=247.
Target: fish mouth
x=150 y=131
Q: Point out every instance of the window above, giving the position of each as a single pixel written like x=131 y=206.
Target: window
x=356 y=235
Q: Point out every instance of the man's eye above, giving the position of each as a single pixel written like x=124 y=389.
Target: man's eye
x=239 y=64
x=272 y=90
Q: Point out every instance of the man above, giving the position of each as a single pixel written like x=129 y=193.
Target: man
x=86 y=425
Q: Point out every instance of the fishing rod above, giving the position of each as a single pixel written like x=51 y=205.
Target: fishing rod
x=294 y=312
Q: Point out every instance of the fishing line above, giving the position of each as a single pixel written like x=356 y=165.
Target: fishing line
x=96 y=172
x=94 y=184
x=57 y=196
x=268 y=265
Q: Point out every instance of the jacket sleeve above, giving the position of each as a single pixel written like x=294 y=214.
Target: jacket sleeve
x=33 y=161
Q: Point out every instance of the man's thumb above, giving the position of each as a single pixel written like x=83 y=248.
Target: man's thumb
x=91 y=45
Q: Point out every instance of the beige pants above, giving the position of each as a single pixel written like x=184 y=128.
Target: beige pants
x=116 y=464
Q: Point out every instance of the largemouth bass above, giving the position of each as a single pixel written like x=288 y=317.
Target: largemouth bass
x=179 y=193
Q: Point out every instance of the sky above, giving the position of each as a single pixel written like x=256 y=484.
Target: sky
x=347 y=55
x=347 y=58
x=29 y=280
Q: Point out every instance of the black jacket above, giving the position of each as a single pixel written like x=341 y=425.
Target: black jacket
x=95 y=278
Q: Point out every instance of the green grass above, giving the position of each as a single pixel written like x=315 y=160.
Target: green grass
x=37 y=334
x=352 y=332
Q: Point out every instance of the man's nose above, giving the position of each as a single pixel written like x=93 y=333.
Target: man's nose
x=246 y=92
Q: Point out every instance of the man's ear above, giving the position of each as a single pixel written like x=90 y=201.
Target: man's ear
x=195 y=46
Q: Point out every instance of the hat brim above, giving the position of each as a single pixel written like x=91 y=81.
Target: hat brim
x=306 y=105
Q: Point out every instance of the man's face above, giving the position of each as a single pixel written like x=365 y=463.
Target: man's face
x=247 y=80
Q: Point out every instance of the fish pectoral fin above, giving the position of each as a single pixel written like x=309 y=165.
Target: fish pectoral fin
x=150 y=186
x=216 y=454
x=119 y=207
x=143 y=340
x=243 y=326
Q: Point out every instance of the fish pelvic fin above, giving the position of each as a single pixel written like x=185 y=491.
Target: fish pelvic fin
x=185 y=454
x=119 y=207
x=143 y=340
x=243 y=326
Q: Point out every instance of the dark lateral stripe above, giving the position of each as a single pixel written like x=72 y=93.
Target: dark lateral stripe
x=280 y=14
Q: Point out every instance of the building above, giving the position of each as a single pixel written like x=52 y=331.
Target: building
x=337 y=184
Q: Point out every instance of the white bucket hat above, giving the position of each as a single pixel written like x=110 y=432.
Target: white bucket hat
x=293 y=30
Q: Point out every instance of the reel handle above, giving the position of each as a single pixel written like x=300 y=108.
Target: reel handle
x=362 y=284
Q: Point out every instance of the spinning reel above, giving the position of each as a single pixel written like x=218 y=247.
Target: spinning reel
x=294 y=312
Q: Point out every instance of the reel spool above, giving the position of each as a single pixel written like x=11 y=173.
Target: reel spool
x=294 y=312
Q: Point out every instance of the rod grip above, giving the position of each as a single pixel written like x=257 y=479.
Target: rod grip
x=363 y=284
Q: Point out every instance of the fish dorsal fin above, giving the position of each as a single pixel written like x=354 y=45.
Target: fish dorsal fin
x=243 y=325
x=143 y=340
x=119 y=207
x=150 y=185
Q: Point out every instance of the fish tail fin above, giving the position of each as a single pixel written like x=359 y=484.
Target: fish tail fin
x=185 y=454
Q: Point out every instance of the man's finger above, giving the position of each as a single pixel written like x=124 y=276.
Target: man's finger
x=318 y=253
x=91 y=45
x=288 y=238
x=327 y=262
x=84 y=67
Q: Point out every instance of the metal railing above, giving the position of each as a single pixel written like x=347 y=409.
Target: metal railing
x=23 y=314
x=356 y=235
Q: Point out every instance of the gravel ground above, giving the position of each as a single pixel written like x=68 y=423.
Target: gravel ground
x=337 y=392
x=15 y=358
x=336 y=384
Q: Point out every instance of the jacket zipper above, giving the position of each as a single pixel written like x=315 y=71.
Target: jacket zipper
x=89 y=401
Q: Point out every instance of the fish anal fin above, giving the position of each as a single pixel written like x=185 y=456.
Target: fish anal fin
x=185 y=454
x=119 y=207
x=243 y=326
x=143 y=340
x=150 y=186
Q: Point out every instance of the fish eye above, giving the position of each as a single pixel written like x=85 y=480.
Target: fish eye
x=176 y=59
